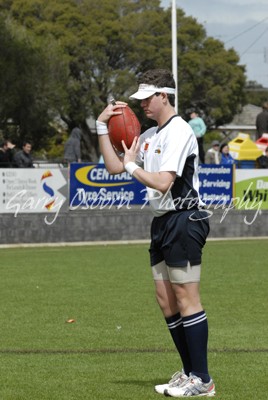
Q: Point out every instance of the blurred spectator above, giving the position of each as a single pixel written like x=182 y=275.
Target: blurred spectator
x=23 y=158
x=262 y=161
x=6 y=154
x=199 y=128
x=72 y=149
x=213 y=155
x=262 y=121
x=225 y=156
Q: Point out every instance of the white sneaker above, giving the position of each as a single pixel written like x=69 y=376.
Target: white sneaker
x=192 y=387
x=177 y=379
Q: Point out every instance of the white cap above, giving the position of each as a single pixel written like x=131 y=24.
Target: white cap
x=146 y=91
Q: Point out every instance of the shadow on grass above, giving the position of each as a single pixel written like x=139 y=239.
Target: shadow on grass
x=140 y=383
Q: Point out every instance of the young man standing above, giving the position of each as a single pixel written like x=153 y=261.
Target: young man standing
x=165 y=160
x=23 y=158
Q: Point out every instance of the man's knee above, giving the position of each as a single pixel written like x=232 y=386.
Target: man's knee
x=166 y=298
x=188 y=297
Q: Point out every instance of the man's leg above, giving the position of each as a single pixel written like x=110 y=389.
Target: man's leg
x=167 y=301
x=201 y=151
x=195 y=326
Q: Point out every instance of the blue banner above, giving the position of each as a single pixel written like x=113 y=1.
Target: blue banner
x=91 y=186
x=216 y=183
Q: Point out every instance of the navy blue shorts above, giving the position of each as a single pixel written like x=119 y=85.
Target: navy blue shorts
x=178 y=237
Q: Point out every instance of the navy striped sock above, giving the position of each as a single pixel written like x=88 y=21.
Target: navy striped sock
x=196 y=333
x=175 y=326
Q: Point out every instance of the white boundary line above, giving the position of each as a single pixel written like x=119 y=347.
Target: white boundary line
x=116 y=242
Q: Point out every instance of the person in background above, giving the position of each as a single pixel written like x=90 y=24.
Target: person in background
x=23 y=158
x=262 y=161
x=6 y=154
x=225 y=156
x=262 y=121
x=199 y=127
x=213 y=155
x=72 y=148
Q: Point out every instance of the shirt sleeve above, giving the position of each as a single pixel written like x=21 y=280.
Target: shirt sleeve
x=198 y=126
x=203 y=127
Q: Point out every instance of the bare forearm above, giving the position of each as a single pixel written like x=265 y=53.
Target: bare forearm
x=113 y=163
x=161 y=181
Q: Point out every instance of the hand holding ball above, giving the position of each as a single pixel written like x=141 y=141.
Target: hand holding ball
x=124 y=126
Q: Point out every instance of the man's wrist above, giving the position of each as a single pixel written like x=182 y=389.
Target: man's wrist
x=102 y=128
x=131 y=167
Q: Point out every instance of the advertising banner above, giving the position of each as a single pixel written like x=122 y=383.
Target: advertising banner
x=216 y=183
x=91 y=186
x=251 y=188
x=32 y=190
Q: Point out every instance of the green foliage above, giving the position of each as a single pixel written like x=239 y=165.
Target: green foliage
x=213 y=81
x=83 y=51
x=31 y=82
x=255 y=93
x=54 y=149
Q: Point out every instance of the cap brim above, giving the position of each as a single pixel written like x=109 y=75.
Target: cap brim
x=142 y=94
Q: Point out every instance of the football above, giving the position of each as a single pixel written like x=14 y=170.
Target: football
x=123 y=126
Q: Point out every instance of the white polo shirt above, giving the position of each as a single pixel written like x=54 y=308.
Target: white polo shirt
x=172 y=148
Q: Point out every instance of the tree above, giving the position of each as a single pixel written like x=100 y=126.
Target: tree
x=31 y=87
x=209 y=76
x=108 y=43
x=255 y=93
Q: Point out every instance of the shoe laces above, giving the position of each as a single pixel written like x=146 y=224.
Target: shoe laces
x=178 y=378
x=193 y=380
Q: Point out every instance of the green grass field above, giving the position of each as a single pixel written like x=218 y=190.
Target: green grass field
x=119 y=346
